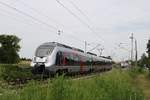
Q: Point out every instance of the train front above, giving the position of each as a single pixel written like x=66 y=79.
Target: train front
x=43 y=59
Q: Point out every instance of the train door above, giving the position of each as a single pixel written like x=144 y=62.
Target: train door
x=64 y=61
x=59 y=58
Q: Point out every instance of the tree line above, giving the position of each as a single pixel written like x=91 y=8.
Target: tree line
x=9 y=48
x=145 y=58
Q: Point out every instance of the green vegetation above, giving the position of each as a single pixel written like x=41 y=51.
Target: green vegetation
x=14 y=73
x=144 y=62
x=9 y=48
x=145 y=59
x=135 y=71
x=148 y=48
x=113 y=85
x=118 y=84
x=143 y=83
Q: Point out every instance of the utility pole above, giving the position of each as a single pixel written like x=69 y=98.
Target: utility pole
x=131 y=46
x=136 y=52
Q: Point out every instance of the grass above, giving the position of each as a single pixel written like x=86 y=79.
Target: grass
x=11 y=73
x=141 y=79
x=114 y=85
x=135 y=71
x=142 y=82
x=21 y=64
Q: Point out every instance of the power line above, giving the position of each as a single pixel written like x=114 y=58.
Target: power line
x=84 y=23
x=78 y=18
x=81 y=12
x=13 y=17
x=38 y=12
x=25 y=14
x=44 y=15
x=56 y=22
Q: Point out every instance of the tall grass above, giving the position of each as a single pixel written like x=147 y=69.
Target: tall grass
x=114 y=85
x=134 y=71
x=9 y=72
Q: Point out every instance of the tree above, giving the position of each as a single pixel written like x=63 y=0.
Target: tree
x=143 y=62
x=9 y=48
x=148 y=48
x=148 y=52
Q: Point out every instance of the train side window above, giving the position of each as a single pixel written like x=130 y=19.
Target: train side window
x=71 y=62
x=67 y=58
x=76 y=60
x=63 y=58
x=71 y=59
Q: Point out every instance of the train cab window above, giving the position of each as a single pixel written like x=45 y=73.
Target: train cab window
x=44 y=51
x=49 y=51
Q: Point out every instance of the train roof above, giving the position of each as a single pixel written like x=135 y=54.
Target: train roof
x=106 y=57
x=91 y=53
x=76 y=49
x=62 y=45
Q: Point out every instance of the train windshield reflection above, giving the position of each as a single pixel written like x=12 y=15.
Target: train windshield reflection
x=44 y=51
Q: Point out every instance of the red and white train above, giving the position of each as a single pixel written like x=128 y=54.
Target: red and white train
x=53 y=57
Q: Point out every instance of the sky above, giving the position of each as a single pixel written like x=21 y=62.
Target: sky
x=104 y=22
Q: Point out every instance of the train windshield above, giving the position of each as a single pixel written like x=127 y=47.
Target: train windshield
x=44 y=50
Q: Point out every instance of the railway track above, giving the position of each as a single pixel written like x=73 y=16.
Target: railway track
x=44 y=78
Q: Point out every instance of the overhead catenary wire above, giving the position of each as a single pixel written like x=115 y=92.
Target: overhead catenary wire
x=10 y=15
x=56 y=22
x=25 y=14
x=84 y=23
x=81 y=12
x=79 y=19
x=35 y=19
x=32 y=17
x=84 y=15
x=46 y=16
x=39 y=12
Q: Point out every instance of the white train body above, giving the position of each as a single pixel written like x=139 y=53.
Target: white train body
x=54 y=57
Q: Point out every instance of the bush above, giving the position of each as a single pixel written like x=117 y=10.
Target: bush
x=134 y=71
x=10 y=73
